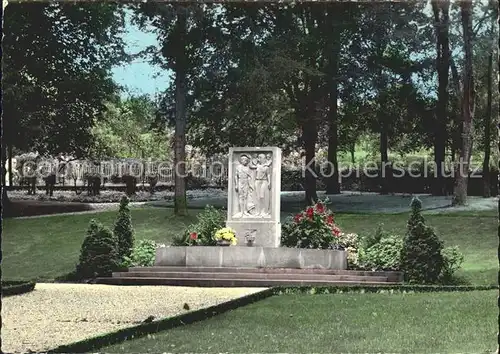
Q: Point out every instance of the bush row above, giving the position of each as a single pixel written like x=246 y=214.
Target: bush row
x=420 y=254
x=380 y=289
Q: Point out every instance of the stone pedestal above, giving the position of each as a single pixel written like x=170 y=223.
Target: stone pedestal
x=254 y=186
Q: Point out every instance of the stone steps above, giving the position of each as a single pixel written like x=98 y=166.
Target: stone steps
x=252 y=276
x=248 y=277
x=207 y=282
x=392 y=275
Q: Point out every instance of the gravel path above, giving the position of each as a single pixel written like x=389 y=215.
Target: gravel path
x=57 y=314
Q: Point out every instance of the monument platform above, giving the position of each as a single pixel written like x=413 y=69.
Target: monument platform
x=249 y=277
x=243 y=266
x=250 y=257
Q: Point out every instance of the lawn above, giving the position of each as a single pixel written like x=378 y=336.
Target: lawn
x=376 y=323
x=47 y=247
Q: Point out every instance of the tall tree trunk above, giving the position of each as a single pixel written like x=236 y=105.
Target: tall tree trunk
x=180 y=203
x=385 y=172
x=460 y=192
x=487 y=131
x=442 y=64
x=498 y=231
x=353 y=152
x=6 y=204
x=333 y=183
x=309 y=131
x=9 y=148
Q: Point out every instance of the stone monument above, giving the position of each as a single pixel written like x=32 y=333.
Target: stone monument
x=254 y=185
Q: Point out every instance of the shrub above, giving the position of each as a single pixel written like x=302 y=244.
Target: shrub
x=452 y=261
x=99 y=253
x=115 y=178
x=312 y=228
x=130 y=184
x=203 y=232
x=194 y=182
x=143 y=255
x=153 y=181
x=383 y=255
x=421 y=258
x=350 y=242
x=374 y=238
x=291 y=180
x=123 y=229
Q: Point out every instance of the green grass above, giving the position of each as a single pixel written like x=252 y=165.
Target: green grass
x=47 y=247
x=476 y=235
x=388 y=323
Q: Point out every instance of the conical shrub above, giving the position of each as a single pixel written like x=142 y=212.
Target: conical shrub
x=123 y=230
x=421 y=258
x=99 y=253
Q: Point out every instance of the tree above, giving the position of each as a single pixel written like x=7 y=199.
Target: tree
x=489 y=102
x=182 y=29
x=440 y=10
x=56 y=73
x=468 y=98
x=127 y=130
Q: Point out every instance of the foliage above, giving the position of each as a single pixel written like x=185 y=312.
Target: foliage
x=57 y=60
x=127 y=130
x=203 y=232
x=123 y=230
x=383 y=255
x=312 y=228
x=421 y=258
x=452 y=261
x=373 y=238
x=99 y=255
x=350 y=242
x=226 y=234
x=143 y=254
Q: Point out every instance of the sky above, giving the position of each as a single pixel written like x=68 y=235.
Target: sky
x=140 y=77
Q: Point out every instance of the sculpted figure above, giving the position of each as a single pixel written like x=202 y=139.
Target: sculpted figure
x=243 y=187
x=262 y=183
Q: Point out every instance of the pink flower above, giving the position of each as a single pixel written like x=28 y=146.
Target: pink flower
x=297 y=218
x=193 y=236
x=336 y=230
x=320 y=208
x=310 y=213
x=329 y=219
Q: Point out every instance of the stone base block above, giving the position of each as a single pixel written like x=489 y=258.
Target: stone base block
x=266 y=233
x=250 y=257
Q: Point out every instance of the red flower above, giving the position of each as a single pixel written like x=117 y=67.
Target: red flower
x=310 y=212
x=329 y=219
x=297 y=218
x=193 y=235
x=320 y=208
x=336 y=230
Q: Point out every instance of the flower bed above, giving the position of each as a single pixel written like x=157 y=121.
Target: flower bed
x=108 y=196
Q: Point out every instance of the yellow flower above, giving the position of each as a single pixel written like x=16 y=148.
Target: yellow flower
x=227 y=234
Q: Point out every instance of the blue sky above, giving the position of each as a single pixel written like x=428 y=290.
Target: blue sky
x=140 y=77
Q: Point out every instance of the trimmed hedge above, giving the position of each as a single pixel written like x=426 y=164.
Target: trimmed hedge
x=401 y=288
x=17 y=287
x=144 y=329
